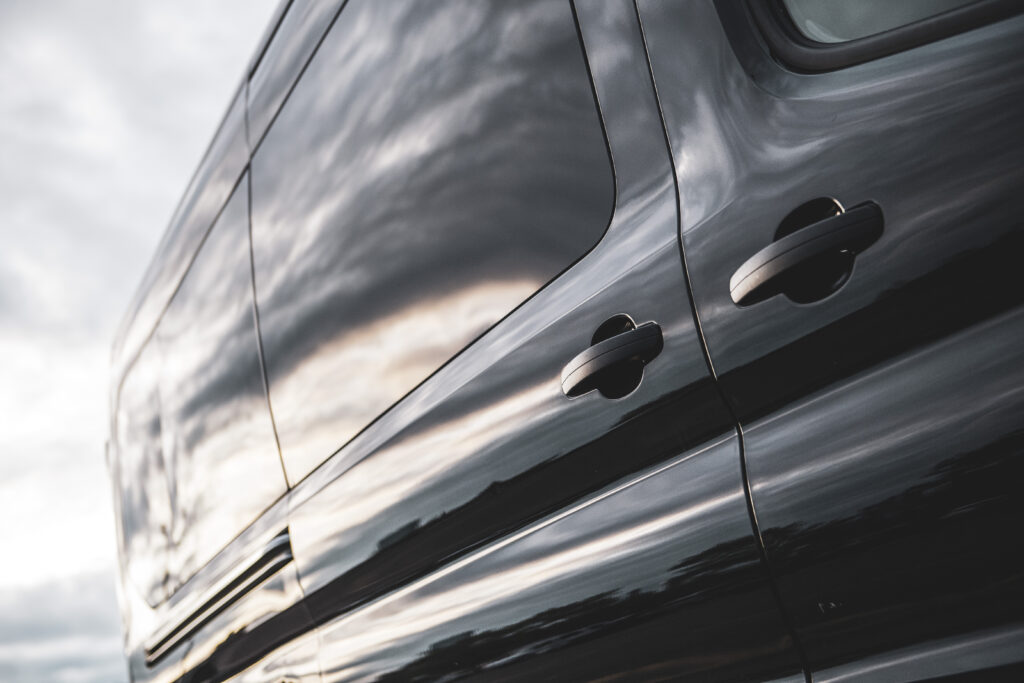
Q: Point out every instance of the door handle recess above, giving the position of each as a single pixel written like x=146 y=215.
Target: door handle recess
x=763 y=274
x=588 y=370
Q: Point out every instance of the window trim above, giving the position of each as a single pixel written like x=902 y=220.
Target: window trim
x=793 y=49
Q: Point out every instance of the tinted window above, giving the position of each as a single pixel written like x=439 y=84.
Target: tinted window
x=217 y=437
x=292 y=44
x=141 y=478
x=837 y=21
x=437 y=163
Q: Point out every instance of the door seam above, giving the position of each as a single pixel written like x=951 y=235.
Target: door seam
x=755 y=528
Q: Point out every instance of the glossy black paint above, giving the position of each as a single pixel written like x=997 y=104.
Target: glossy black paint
x=142 y=472
x=208 y=191
x=454 y=514
x=139 y=473
x=489 y=446
x=881 y=426
x=267 y=616
x=425 y=176
x=232 y=588
x=216 y=433
x=654 y=579
x=296 y=35
x=209 y=466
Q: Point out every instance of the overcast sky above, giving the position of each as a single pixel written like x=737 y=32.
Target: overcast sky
x=106 y=107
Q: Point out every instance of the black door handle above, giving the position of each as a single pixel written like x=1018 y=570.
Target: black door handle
x=764 y=274
x=605 y=361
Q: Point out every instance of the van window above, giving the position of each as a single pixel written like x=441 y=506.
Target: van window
x=216 y=438
x=143 y=500
x=437 y=163
x=837 y=21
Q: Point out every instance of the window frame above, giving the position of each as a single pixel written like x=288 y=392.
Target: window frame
x=800 y=53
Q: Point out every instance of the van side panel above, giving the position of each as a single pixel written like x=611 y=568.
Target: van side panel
x=141 y=478
x=204 y=198
x=656 y=579
x=217 y=436
x=488 y=525
x=436 y=164
x=294 y=42
x=143 y=470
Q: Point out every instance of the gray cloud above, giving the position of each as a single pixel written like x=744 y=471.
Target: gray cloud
x=81 y=604
x=63 y=630
x=106 y=108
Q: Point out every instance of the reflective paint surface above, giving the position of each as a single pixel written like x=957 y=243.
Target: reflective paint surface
x=436 y=164
x=881 y=425
x=293 y=42
x=204 y=198
x=296 y=662
x=916 y=507
x=140 y=475
x=489 y=446
x=487 y=463
x=217 y=437
x=657 y=580
x=268 y=616
x=198 y=464
x=476 y=521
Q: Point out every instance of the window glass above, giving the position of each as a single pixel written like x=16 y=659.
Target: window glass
x=837 y=21
x=217 y=438
x=291 y=46
x=141 y=479
x=437 y=163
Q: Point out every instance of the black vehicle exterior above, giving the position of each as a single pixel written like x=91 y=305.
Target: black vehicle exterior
x=586 y=340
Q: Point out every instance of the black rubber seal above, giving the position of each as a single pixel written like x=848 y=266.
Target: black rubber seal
x=798 y=52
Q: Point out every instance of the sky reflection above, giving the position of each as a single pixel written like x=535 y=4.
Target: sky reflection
x=436 y=165
x=106 y=109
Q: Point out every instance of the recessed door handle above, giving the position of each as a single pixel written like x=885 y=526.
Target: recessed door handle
x=586 y=371
x=764 y=273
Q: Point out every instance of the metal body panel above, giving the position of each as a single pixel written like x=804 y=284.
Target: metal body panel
x=218 y=439
x=287 y=52
x=424 y=178
x=295 y=662
x=151 y=487
x=269 y=615
x=655 y=579
x=263 y=623
x=207 y=192
x=140 y=477
x=473 y=520
x=489 y=446
x=212 y=442
x=909 y=533
x=881 y=425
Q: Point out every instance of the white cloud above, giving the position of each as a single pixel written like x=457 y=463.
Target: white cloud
x=105 y=109
x=64 y=630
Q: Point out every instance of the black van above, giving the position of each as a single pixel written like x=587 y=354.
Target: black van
x=590 y=340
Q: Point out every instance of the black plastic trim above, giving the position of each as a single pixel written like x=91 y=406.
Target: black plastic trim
x=275 y=555
x=789 y=46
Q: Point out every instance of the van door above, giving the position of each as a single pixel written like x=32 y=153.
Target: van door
x=507 y=451
x=851 y=228
x=217 y=435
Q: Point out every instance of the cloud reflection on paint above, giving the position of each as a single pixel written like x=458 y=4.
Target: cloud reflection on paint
x=416 y=187
x=106 y=108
